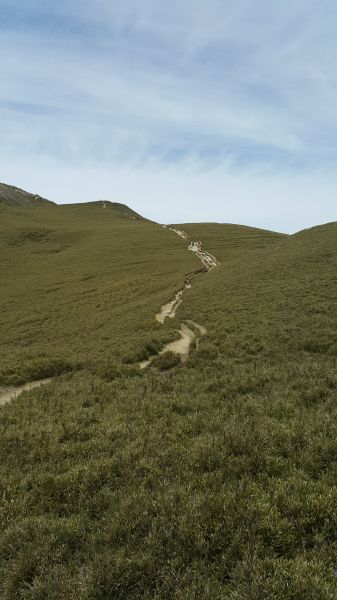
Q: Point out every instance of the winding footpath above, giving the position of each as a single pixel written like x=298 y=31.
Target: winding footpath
x=190 y=332
x=9 y=393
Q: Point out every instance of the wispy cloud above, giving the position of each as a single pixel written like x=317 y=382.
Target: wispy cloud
x=237 y=88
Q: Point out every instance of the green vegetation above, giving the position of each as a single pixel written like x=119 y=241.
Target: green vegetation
x=13 y=196
x=81 y=284
x=228 y=242
x=212 y=480
x=166 y=361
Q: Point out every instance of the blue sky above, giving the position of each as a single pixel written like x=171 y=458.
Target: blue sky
x=187 y=111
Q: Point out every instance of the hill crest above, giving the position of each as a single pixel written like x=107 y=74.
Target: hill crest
x=14 y=196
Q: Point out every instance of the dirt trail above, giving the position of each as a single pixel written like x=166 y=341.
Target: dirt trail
x=170 y=309
x=181 y=347
x=188 y=336
x=9 y=393
x=209 y=262
x=190 y=332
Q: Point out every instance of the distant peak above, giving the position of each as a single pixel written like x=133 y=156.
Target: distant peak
x=14 y=196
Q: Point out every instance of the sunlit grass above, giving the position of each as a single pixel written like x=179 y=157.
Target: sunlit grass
x=214 y=479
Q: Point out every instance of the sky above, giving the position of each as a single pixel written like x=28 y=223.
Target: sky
x=187 y=110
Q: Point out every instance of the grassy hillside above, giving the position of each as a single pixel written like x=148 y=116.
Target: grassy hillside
x=213 y=480
x=82 y=284
x=13 y=196
x=228 y=241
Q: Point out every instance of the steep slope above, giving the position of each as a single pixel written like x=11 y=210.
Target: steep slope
x=13 y=196
x=125 y=210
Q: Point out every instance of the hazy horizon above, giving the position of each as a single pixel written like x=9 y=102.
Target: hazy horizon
x=223 y=112
x=146 y=209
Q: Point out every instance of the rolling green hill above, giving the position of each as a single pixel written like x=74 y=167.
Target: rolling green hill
x=82 y=283
x=229 y=242
x=214 y=479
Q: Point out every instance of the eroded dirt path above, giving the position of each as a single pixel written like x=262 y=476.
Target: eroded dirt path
x=190 y=332
x=9 y=393
x=208 y=261
x=170 y=309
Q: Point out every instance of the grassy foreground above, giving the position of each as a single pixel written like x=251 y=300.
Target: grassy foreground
x=213 y=480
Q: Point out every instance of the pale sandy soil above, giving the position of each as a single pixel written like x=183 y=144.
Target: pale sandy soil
x=169 y=309
x=9 y=393
x=188 y=336
x=181 y=347
x=207 y=259
x=209 y=262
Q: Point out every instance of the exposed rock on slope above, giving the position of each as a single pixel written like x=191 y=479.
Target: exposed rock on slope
x=13 y=196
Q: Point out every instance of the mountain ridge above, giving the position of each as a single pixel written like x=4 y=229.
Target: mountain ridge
x=11 y=195
x=16 y=197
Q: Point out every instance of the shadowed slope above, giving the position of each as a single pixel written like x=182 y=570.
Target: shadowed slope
x=14 y=196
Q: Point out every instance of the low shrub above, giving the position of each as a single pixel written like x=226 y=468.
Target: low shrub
x=166 y=361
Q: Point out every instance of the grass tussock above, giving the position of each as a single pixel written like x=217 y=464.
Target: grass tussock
x=166 y=361
x=215 y=480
